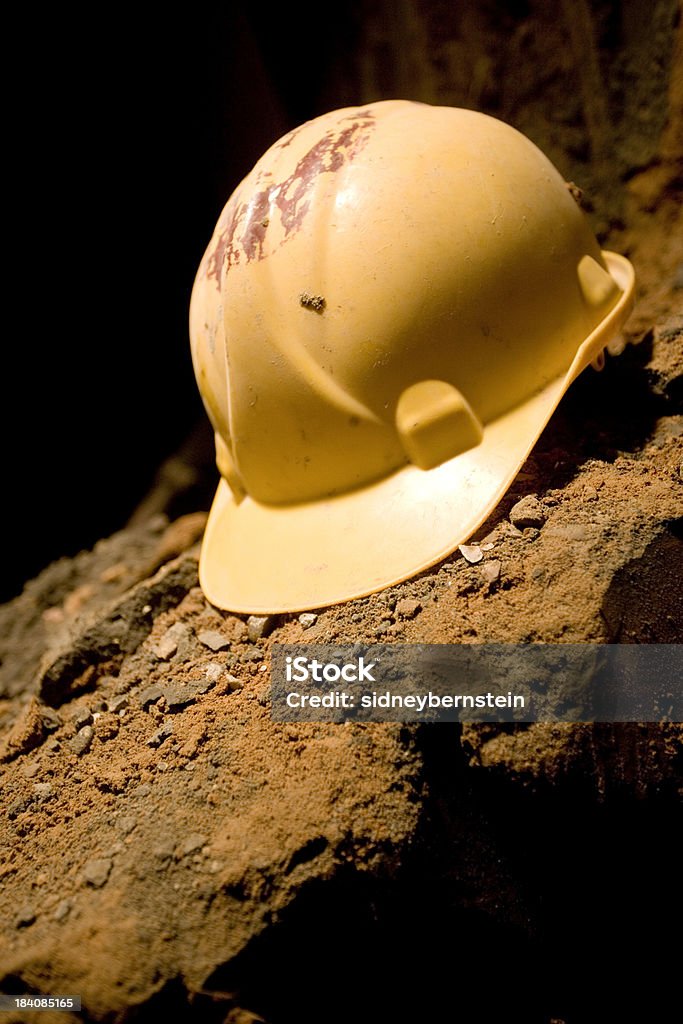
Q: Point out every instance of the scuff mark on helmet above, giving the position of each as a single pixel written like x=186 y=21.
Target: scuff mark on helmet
x=243 y=225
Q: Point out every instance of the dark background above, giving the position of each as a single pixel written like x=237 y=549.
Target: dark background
x=128 y=133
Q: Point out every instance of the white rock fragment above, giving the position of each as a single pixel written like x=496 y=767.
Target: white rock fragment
x=490 y=571
x=308 y=619
x=166 y=648
x=259 y=626
x=213 y=671
x=168 y=645
x=472 y=553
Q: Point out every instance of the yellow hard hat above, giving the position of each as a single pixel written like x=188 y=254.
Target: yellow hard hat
x=392 y=305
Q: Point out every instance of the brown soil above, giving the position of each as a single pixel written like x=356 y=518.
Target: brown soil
x=168 y=849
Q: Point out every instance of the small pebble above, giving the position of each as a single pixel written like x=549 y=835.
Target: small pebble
x=150 y=695
x=214 y=670
x=471 y=553
x=50 y=719
x=308 y=619
x=157 y=738
x=117 y=704
x=62 y=910
x=126 y=824
x=25 y=917
x=528 y=512
x=178 y=696
x=201 y=686
x=96 y=871
x=165 y=849
x=166 y=647
x=42 y=791
x=30 y=770
x=255 y=655
x=82 y=717
x=18 y=806
x=82 y=740
x=490 y=570
x=408 y=607
x=191 y=844
x=214 y=640
x=171 y=640
x=510 y=531
x=259 y=626
x=233 y=683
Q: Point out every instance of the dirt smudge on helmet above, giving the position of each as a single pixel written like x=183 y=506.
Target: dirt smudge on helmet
x=242 y=228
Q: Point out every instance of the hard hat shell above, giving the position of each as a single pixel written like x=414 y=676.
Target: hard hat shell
x=392 y=305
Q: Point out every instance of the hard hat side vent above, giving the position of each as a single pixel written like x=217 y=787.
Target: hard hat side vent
x=435 y=423
x=597 y=285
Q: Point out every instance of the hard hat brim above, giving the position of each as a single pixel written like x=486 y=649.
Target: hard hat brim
x=263 y=559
